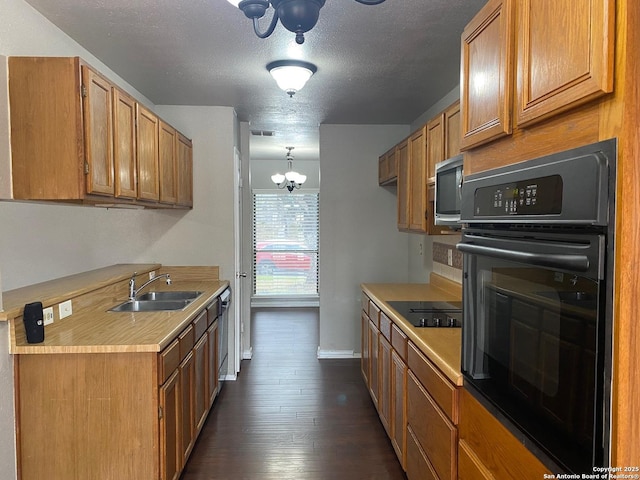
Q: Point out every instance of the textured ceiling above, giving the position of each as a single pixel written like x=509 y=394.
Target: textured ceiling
x=383 y=64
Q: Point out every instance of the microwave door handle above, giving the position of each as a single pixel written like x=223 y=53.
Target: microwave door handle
x=578 y=263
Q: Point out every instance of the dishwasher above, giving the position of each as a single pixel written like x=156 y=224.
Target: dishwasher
x=224 y=302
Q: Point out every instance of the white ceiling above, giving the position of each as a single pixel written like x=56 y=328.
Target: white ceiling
x=382 y=64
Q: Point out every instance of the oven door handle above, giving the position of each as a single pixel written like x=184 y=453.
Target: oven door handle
x=578 y=263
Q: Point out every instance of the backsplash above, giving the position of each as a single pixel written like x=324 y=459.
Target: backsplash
x=447 y=260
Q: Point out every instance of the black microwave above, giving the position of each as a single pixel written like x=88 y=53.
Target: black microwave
x=448 y=192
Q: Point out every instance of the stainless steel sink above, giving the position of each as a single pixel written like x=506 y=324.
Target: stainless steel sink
x=157 y=296
x=151 y=305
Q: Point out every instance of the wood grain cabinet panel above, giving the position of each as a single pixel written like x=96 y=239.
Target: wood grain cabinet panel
x=187 y=407
x=98 y=121
x=388 y=168
x=374 y=372
x=435 y=145
x=384 y=399
x=434 y=432
x=486 y=88
x=418 y=466
x=418 y=180
x=365 y=360
x=185 y=171
x=201 y=393
x=124 y=145
x=170 y=447
x=168 y=163
x=147 y=154
x=404 y=185
x=565 y=55
x=399 y=407
x=212 y=372
x=452 y=133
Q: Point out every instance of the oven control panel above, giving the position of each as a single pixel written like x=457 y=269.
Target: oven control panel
x=537 y=196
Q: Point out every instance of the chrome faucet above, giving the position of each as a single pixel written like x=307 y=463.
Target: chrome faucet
x=133 y=292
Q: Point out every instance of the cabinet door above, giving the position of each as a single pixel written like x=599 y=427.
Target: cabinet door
x=147 y=154
x=374 y=380
x=384 y=400
x=187 y=411
x=170 y=445
x=212 y=371
x=418 y=467
x=365 y=361
x=418 y=180
x=435 y=145
x=185 y=171
x=201 y=370
x=452 y=130
x=168 y=164
x=97 y=108
x=124 y=143
x=404 y=187
x=486 y=87
x=399 y=407
x=565 y=55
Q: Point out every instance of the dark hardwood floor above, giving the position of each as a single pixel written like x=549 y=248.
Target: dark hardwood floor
x=290 y=416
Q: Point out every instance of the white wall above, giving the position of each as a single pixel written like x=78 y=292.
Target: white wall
x=39 y=242
x=359 y=239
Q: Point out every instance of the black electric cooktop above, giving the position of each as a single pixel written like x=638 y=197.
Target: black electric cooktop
x=430 y=314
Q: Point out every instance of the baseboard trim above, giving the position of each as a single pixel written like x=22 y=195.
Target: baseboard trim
x=337 y=354
x=247 y=354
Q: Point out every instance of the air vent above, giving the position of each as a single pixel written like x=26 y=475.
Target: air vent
x=263 y=133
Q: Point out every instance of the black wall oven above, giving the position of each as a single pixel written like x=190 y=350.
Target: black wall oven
x=537 y=290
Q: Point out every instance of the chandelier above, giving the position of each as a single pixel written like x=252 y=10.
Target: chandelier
x=297 y=16
x=291 y=179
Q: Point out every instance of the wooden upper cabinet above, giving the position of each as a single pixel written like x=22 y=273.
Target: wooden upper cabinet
x=147 y=154
x=168 y=163
x=124 y=144
x=388 y=168
x=565 y=55
x=452 y=130
x=185 y=171
x=435 y=145
x=404 y=187
x=98 y=140
x=76 y=137
x=486 y=87
x=418 y=180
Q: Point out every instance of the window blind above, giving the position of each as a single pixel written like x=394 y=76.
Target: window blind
x=285 y=244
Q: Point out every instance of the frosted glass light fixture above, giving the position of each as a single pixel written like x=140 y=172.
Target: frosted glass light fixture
x=290 y=180
x=291 y=75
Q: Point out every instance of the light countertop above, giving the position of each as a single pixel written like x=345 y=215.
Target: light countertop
x=443 y=346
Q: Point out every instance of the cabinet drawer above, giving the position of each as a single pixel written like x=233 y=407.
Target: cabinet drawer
x=469 y=465
x=437 y=436
x=365 y=303
x=385 y=326
x=200 y=325
x=441 y=390
x=418 y=467
x=169 y=361
x=187 y=340
x=399 y=341
x=374 y=314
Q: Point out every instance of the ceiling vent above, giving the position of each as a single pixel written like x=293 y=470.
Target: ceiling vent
x=263 y=133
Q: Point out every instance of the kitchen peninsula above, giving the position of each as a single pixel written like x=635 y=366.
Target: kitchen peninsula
x=125 y=393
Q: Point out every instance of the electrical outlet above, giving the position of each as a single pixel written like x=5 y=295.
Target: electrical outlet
x=152 y=274
x=48 y=315
x=420 y=249
x=65 y=309
x=450 y=257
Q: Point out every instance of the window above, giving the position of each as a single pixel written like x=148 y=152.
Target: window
x=285 y=244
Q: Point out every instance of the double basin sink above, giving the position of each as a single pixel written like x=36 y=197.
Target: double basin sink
x=158 y=301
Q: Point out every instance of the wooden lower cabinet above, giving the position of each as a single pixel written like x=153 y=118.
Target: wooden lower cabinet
x=374 y=379
x=109 y=416
x=170 y=449
x=418 y=466
x=488 y=450
x=399 y=407
x=212 y=372
x=384 y=398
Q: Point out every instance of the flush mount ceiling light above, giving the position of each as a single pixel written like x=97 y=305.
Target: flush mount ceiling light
x=291 y=75
x=291 y=179
x=297 y=16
